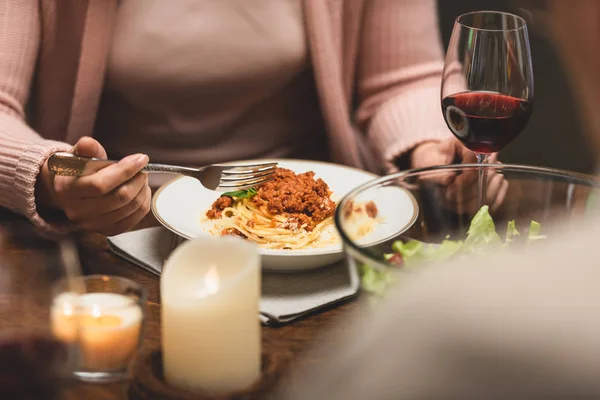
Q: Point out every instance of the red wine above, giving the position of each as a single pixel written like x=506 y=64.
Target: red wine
x=30 y=367
x=485 y=121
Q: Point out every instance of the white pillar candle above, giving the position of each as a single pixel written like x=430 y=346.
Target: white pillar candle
x=210 y=293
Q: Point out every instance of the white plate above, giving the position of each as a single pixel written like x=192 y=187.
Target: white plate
x=180 y=205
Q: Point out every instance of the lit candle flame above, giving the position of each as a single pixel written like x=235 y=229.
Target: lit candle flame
x=211 y=280
x=67 y=309
x=96 y=312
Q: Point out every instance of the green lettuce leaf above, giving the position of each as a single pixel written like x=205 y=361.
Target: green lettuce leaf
x=592 y=203
x=481 y=239
x=446 y=249
x=511 y=232
x=414 y=252
x=482 y=232
x=535 y=232
x=409 y=249
x=374 y=280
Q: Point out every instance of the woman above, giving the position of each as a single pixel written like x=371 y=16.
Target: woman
x=199 y=82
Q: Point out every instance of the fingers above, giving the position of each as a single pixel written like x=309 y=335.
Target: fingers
x=466 y=185
x=109 y=201
x=428 y=154
x=462 y=192
x=122 y=219
x=114 y=200
x=100 y=211
x=88 y=147
x=463 y=196
x=495 y=192
x=109 y=178
x=132 y=220
x=447 y=149
x=498 y=198
x=465 y=155
x=431 y=154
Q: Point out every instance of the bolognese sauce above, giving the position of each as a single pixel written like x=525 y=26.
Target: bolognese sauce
x=302 y=198
x=291 y=211
x=218 y=206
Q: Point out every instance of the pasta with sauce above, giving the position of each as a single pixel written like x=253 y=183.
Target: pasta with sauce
x=292 y=211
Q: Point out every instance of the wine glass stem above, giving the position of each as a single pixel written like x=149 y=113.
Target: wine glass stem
x=482 y=159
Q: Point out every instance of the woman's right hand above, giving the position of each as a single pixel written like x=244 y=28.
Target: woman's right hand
x=110 y=201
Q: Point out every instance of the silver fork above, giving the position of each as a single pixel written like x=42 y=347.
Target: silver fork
x=219 y=177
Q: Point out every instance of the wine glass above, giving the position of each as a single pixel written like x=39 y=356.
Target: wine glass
x=33 y=363
x=487 y=85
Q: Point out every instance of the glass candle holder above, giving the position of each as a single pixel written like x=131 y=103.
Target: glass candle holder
x=107 y=322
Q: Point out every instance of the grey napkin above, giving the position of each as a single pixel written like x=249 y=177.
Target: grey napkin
x=285 y=296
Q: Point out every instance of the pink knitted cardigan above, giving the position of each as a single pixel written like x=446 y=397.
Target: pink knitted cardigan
x=377 y=64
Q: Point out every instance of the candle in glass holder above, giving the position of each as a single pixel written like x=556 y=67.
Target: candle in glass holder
x=210 y=293
x=106 y=325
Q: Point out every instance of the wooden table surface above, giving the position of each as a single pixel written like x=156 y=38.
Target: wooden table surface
x=287 y=343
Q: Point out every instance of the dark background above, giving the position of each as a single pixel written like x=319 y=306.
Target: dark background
x=554 y=136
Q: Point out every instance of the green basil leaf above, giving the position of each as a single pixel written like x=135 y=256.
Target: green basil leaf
x=241 y=194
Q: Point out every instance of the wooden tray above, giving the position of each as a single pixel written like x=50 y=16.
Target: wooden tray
x=148 y=383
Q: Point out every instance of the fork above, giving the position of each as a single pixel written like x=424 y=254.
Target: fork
x=218 y=177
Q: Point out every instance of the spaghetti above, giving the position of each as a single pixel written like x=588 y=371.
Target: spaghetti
x=293 y=211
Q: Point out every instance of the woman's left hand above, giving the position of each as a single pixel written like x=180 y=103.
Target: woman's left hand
x=450 y=151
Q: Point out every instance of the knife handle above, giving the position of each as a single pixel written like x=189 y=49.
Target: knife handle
x=67 y=164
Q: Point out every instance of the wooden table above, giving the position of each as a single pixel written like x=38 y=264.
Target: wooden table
x=288 y=344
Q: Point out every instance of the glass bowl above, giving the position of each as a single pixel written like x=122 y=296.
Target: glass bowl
x=435 y=204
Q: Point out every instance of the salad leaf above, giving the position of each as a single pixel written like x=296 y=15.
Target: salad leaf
x=535 y=229
x=446 y=250
x=592 y=202
x=241 y=194
x=482 y=232
x=414 y=252
x=408 y=249
x=511 y=232
x=535 y=232
x=375 y=281
x=481 y=239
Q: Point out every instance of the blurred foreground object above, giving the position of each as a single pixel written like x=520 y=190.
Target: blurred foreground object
x=522 y=325
x=34 y=272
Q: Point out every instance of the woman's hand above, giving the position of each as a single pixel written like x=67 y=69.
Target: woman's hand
x=462 y=191
x=110 y=201
x=450 y=151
